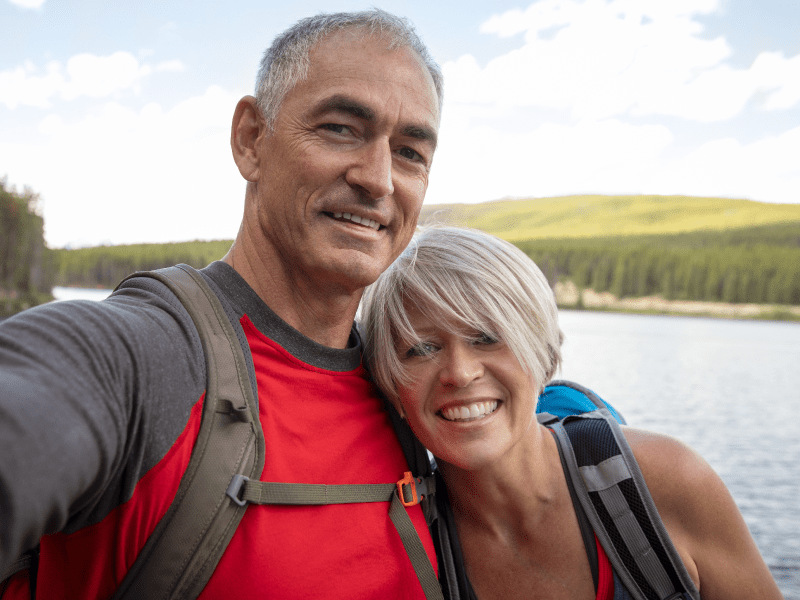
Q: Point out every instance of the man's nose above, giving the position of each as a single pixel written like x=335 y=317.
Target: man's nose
x=461 y=366
x=372 y=170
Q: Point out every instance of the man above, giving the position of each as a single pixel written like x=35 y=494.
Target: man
x=100 y=402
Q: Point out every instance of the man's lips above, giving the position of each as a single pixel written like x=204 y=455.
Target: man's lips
x=353 y=218
x=469 y=412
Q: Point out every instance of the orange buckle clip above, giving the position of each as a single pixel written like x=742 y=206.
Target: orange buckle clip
x=408 y=479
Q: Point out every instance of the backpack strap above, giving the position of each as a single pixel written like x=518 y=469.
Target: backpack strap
x=409 y=491
x=615 y=498
x=181 y=554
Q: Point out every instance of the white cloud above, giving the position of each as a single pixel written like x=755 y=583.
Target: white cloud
x=477 y=163
x=28 y=3
x=83 y=75
x=604 y=58
x=763 y=170
x=783 y=76
x=593 y=65
x=152 y=175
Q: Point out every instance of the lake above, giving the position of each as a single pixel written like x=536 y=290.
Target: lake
x=730 y=389
x=73 y=293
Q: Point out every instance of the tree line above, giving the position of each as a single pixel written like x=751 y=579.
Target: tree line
x=749 y=265
x=26 y=269
x=753 y=265
x=106 y=266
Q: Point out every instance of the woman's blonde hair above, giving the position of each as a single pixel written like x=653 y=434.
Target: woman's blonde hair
x=463 y=278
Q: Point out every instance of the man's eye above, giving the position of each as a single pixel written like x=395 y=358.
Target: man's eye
x=336 y=128
x=421 y=349
x=410 y=153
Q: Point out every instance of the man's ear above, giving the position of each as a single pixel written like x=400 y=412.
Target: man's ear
x=247 y=126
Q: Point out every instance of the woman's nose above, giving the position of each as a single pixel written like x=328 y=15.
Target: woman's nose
x=462 y=365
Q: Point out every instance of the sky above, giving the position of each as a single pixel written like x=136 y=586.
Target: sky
x=118 y=113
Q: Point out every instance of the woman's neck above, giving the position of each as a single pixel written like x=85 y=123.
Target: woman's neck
x=512 y=493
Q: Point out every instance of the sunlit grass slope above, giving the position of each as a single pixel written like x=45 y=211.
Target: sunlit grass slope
x=602 y=216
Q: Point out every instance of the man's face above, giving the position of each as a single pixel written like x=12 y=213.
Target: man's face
x=353 y=142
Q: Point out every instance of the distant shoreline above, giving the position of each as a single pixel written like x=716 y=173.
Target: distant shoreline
x=567 y=297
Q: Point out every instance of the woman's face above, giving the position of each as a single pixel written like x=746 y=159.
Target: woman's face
x=469 y=401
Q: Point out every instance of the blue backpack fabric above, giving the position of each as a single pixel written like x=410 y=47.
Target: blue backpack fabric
x=564 y=398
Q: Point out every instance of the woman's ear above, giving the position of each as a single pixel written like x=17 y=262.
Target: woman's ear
x=399 y=408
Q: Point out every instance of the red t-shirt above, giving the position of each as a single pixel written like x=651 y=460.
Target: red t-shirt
x=605 y=576
x=320 y=427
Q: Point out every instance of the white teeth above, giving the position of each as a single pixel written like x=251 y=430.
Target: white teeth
x=356 y=219
x=476 y=410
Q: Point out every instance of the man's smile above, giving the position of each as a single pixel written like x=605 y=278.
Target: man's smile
x=353 y=218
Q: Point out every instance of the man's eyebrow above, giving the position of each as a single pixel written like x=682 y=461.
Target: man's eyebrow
x=341 y=103
x=425 y=134
x=345 y=104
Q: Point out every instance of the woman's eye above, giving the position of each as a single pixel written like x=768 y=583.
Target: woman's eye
x=485 y=339
x=421 y=349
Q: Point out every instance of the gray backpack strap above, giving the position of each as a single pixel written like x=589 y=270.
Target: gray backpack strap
x=181 y=554
x=614 y=495
x=407 y=492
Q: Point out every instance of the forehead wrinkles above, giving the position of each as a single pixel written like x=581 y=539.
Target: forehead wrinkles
x=348 y=57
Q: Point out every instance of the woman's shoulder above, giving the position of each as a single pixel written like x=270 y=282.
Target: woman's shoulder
x=701 y=517
x=670 y=466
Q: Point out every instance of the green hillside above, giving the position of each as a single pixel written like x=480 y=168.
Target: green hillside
x=603 y=216
x=676 y=247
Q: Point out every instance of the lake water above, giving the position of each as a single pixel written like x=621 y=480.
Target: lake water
x=72 y=293
x=730 y=389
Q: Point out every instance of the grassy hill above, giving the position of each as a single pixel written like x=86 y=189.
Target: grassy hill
x=604 y=216
x=676 y=247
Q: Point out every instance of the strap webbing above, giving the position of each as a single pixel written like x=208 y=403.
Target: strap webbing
x=416 y=552
x=268 y=492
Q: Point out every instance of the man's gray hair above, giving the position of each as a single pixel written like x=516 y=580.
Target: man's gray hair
x=461 y=278
x=285 y=62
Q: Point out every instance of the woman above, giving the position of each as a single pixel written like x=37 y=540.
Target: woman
x=462 y=336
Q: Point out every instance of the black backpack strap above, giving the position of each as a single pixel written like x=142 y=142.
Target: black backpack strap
x=587 y=533
x=615 y=498
x=181 y=554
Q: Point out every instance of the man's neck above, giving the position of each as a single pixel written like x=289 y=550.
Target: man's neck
x=322 y=314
